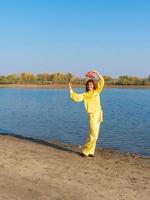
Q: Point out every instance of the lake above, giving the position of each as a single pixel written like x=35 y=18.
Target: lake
x=50 y=114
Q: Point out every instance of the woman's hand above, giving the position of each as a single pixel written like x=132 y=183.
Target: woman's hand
x=96 y=72
x=70 y=85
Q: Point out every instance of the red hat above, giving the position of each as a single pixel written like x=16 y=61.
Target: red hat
x=90 y=74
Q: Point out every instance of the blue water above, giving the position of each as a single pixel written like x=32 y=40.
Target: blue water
x=50 y=114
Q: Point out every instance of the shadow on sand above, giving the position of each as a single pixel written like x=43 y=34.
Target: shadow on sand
x=54 y=144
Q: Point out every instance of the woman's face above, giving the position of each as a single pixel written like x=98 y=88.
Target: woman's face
x=90 y=86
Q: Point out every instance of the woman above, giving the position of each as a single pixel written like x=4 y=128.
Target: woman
x=92 y=104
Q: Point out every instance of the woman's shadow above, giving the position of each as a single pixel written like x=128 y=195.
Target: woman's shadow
x=53 y=144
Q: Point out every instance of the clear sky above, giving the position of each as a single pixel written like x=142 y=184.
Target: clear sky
x=112 y=36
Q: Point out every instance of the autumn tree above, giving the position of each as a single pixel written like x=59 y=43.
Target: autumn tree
x=12 y=78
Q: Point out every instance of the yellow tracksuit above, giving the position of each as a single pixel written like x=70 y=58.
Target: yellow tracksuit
x=95 y=114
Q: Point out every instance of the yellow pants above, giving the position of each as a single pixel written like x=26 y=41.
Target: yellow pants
x=95 y=120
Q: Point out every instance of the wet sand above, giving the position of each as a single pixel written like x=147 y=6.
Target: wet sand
x=32 y=169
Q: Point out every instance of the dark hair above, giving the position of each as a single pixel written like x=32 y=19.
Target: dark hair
x=90 y=81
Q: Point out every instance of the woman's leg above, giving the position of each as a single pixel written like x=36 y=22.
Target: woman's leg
x=94 y=126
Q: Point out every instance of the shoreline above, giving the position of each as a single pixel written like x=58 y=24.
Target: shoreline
x=62 y=86
x=35 y=169
x=105 y=149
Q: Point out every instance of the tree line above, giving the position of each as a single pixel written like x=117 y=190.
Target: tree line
x=63 y=78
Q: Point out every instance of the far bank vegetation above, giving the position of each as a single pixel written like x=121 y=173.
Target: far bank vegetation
x=64 y=78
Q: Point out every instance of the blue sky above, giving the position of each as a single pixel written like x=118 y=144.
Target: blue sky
x=112 y=36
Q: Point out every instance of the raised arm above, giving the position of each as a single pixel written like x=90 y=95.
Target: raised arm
x=75 y=96
x=100 y=83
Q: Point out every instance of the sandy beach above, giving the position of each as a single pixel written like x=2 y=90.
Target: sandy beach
x=63 y=86
x=32 y=169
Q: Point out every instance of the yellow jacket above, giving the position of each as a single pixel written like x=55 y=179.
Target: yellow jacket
x=91 y=98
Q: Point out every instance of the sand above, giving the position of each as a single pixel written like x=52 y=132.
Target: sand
x=32 y=169
x=64 y=86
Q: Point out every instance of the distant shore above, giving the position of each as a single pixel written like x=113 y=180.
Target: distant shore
x=63 y=86
x=34 y=169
